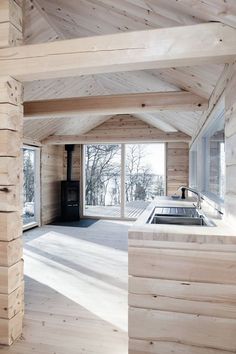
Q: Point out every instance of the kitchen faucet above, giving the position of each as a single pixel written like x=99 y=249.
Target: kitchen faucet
x=198 y=194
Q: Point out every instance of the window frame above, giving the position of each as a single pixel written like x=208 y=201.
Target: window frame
x=123 y=179
x=206 y=146
x=37 y=187
x=200 y=148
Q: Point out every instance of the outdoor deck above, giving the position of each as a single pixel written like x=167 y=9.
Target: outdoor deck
x=132 y=210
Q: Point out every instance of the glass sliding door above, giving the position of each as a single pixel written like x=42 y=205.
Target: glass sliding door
x=144 y=176
x=31 y=191
x=120 y=180
x=102 y=176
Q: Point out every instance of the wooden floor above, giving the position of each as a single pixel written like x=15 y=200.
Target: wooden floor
x=75 y=290
x=132 y=211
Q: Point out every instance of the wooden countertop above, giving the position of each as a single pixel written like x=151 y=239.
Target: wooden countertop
x=221 y=233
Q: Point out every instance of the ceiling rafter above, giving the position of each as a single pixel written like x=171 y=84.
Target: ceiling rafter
x=156 y=122
x=126 y=15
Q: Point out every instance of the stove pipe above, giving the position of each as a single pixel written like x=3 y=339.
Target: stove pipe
x=69 y=149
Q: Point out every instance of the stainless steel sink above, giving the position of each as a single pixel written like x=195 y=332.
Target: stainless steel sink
x=179 y=216
x=177 y=211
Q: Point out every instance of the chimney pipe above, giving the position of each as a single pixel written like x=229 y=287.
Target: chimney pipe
x=69 y=149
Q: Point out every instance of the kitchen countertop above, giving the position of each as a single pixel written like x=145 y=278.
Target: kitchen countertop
x=220 y=233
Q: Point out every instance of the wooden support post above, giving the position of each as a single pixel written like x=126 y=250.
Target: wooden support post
x=11 y=122
x=11 y=267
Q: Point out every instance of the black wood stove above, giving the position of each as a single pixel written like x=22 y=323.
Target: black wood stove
x=70 y=193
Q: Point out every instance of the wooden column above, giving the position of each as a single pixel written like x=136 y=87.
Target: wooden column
x=11 y=121
x=230 y=148
x=11 y=265
x=177 y=166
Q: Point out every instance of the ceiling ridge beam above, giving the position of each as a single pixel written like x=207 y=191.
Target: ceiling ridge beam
x=149 y=49
x=114 y=104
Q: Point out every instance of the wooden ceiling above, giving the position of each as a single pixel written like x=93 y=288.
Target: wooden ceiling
x=50 y=20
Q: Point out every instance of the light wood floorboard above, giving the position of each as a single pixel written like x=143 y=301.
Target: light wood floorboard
x=75 y=290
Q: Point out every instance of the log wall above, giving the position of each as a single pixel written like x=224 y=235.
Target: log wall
x=181 y=297
x=177 y=166
x=11 y=178
x=52 y=173
x=11 y=264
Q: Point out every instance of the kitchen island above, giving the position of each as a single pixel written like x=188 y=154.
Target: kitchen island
x=182 y=286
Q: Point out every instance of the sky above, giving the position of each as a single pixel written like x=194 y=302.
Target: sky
x=155 y=157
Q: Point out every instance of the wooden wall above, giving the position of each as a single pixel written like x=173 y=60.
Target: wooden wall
x=11 y=178
x=177 y=166
x=230 y=148
x=181 y=295
x=123 y=128
x=52 y=173
x=11 y=251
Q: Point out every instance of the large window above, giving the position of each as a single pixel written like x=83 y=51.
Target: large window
x=145 y=176
x=102 y=180
x=214 y=142
x=31 y=194
x=207 y=158
x=120 y=180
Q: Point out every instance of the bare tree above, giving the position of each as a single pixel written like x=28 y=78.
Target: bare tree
x=28 y=176
x=100 y=169
x=103 y=175
x=139 y=177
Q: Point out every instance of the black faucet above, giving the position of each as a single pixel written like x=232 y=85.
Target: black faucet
x=199 y=197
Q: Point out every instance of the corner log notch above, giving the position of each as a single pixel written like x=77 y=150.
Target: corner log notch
x=115 y=104
x=150 y=49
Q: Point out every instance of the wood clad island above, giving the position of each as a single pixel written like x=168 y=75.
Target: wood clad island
x=182 y=287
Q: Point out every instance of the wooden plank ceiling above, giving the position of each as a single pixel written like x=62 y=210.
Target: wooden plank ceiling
x=52 y=20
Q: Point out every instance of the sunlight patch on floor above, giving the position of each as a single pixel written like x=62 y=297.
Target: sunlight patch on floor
x=83 y=271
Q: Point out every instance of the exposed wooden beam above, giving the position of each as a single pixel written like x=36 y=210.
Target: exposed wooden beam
x=31 y=142
x=158 y=48
x=152 y=137
x=115 y=104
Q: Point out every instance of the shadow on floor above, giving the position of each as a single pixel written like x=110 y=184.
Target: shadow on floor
x=108 y=233
x=80 y=223
x=109 y=279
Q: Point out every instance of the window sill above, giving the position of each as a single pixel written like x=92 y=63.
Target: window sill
x=30 y=226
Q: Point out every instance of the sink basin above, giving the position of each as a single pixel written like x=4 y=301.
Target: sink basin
x=179 y=216
x=177 y=211
x=177 y=220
